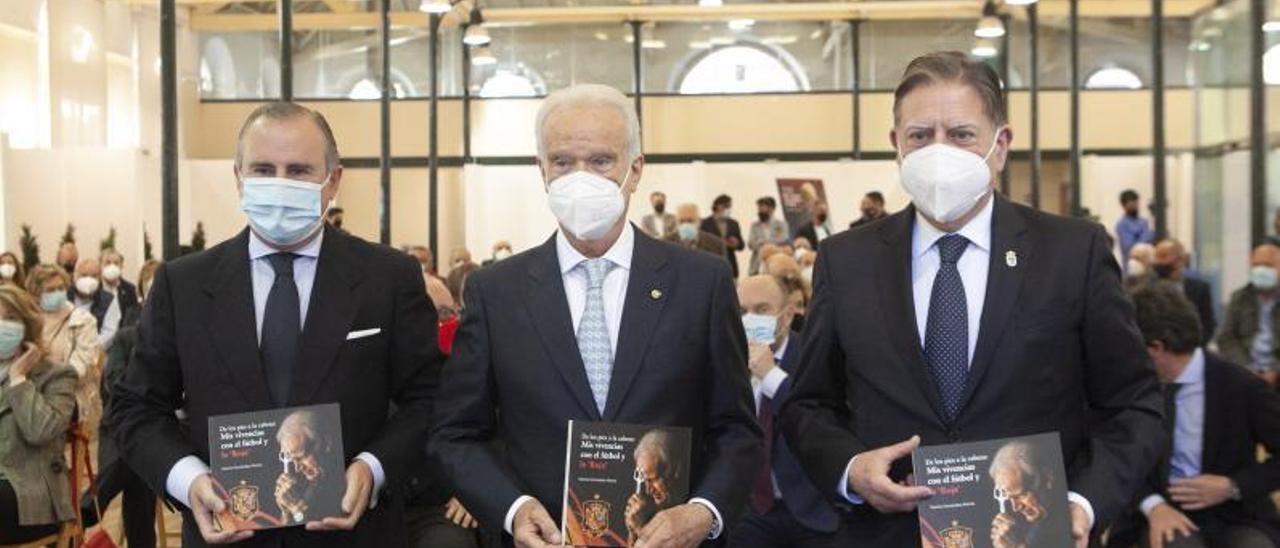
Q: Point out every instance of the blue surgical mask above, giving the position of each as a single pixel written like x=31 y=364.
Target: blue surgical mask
x=284 y=212
x=760 y=328
x=53 y=301
x=11 y=335
x=687 y=231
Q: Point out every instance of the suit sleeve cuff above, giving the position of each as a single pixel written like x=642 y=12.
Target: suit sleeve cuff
x=511 y=513
x=843 y=487
x=379 y=476
x=1150 y=503
x=719 y=524
x=1079 y=499
x=772 y=381
x=185 y=471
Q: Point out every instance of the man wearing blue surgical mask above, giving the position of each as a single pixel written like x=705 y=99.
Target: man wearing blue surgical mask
x=600 y=323
x=967 y=317
x=287 y=313
x=1249 y=330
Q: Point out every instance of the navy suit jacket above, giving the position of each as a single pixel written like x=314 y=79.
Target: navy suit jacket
x=806 y=503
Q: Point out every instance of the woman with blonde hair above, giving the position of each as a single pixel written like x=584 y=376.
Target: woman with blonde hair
x=37 y=399
x=70 y=336
x=11 y=270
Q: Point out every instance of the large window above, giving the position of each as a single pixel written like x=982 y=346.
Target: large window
x=742 y=68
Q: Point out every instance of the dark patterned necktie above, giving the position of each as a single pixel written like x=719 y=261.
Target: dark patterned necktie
x=946 y=340
x=281 y=328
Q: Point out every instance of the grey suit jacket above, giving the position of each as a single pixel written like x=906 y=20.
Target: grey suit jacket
x=33 y=425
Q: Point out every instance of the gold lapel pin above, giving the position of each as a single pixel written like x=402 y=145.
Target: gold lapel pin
x=1011 y=258
x=655 y=294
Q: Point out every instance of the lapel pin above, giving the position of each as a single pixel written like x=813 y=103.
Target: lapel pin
x=1011 y=258
x=655 y=294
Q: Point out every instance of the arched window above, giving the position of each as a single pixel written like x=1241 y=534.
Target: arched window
x=1271 y=66
x=512 y=82
x=1113 y=78
x=742 y=68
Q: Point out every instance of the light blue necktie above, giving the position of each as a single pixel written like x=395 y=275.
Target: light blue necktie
x=593 y=332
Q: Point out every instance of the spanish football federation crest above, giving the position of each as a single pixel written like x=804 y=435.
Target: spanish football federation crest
x=244 y=501
x=957 y=536
x=595 y=516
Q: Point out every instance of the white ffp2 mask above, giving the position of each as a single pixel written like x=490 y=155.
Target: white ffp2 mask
x=945 y=182
x=586 y=204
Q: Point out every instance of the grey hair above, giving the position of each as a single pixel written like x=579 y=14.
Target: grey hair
x=590 y=95
x=658 y=442
x=304 y=423
x=1024 y=457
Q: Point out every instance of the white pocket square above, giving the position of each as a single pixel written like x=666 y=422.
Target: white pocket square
x=363 y=333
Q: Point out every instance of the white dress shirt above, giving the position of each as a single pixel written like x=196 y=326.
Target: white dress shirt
x=191 y=467
x=974 y=266
x=615 y=297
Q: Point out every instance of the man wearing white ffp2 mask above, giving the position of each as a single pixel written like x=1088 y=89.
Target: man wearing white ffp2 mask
x=997 y=320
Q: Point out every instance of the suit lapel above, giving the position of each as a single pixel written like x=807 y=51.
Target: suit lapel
x=1213 y=416
x=232 y=322
x=549 y=312
x=897 y=302
x=1004 y=283
x=329 y=318
x=641 y=312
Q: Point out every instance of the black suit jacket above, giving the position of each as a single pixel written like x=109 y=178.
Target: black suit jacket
x=197 y=350
x=128 y=294
x=1057 y=351
x=732 y=230
x=1201 y=295
x=516 y=377
x=808 y=232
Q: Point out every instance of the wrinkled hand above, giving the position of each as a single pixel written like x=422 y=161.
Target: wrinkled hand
x=23 y=365
x=205 y=504
x=354 y=502
x=533 y=528
x=454 y=511
x=631 y=515
x=1200 y=492
x=686 y=525
x=1166 y=523
x=1002 y=532
x=1079 y=525
x=760 y=360
x=869 y=478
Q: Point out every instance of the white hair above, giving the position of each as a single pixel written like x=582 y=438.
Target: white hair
x=591 y=95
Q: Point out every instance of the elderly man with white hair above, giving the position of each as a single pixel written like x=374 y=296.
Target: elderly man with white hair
x=599 y=323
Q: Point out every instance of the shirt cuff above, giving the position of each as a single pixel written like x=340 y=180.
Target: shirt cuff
x=772 y=381
x=511 y=513
x=719 y=525
x=843 y=487
x=1150 y=503
x=183 y=473
x=1077 y=498
x=379 y=477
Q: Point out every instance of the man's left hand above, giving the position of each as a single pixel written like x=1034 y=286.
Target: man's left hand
x=686 y=525
x=354 y=502
x=1200 y=492
x=1079 y=526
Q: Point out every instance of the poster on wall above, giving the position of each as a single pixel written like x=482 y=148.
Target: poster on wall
x=797 y=197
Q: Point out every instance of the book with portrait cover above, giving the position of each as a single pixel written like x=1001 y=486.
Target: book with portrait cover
x=617 y=477
x=1002 y=493
x=279 y=467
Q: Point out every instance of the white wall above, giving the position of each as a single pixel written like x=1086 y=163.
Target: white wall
x=1103 y=178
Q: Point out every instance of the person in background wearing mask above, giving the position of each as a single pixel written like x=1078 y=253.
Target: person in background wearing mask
x=660 y=223
x=125 y=294
x=1171 y=265
x=87 y=293
x=767 y=230
x=1132 y=229
x=721 y=224
x=38 y=397
x=334 y=217
x=819 y=228
x=872 y=209
x=460 y=257
x=690 y=236
x=581 y=328
x=11 y=270
x=68 y=256
x=967 y=317
x=1250 y=333
x=70 y=337
x=501 y=250
x=786 y=510
x=289 y=312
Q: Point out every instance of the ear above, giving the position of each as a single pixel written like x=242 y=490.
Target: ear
x=893 y=138
x=543 y=172
x=1004 y=140
x=637 y=169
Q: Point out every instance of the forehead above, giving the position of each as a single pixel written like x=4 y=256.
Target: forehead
x=946 y=103
x=579 y=125
x=758 y=290
x=290 y=139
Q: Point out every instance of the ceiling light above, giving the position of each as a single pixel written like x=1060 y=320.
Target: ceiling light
x=476 y=36
x=438 y=7
x=710 y=3
x=1200 y=45
x=985 y=48
x=741 y=24
x=483 y=57
x=1271 y=26
x=653 y=44
x=602 y=37
x=989 y=26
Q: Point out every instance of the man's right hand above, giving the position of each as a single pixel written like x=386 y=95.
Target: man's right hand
x=205 y=504
x=869 y=478
x=760 y=360
x=1165 y=523
x=533 y=527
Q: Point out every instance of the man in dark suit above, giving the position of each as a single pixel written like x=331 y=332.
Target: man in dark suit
x=1209 y=488
x=690 y=236
x=872 y=209
x=721 y=224
x=819 y=228
x=113 y=282
x=966 y=317
x=1171 y=264
x=287 y=313
x=600 y=323
x=786 y=509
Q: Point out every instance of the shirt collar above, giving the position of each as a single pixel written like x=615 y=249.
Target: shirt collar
x=782 y=350
x=619 y=254
x=1194 y=373
x=259 y=249
x=977 y=231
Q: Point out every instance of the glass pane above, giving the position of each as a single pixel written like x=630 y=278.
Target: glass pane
x=551 y=57
x=887 y=46
x=1105 y=43
x=239 y=65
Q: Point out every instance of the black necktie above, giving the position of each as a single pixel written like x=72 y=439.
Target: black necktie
x=281 y=328
x=1170 y=393
x=946 y=339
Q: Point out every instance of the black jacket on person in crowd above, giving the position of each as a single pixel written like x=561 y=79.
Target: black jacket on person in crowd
x=732 y=230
